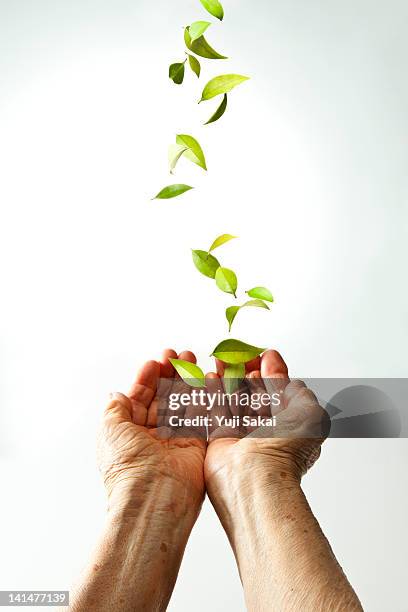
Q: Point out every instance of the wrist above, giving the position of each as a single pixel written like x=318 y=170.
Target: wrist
x=162 y=494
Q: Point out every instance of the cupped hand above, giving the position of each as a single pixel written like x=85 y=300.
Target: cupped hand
x=285 y=452
x=133 y=453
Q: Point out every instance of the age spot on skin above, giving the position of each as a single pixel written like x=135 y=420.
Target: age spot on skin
x=96 y=567
x=283 y=475
x=163 y=547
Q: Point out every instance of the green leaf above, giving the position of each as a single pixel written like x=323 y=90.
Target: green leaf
x=194 y=64
x=172 y=191
x=220 y=241
x=176 y=72
x=189 y=372
x=233 y=376
x=214 y=7
x=205 y=263
x=219 y=112
x=197 y=29
x=256 y=304
x=234 y=351
x=231 y=313
x=261 y=293
x=226 y=280
x=175 y=152
x=221 y=85
x=201 y=47
x=194 y=152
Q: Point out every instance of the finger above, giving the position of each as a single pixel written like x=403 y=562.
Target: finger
x=253 y=365
x=273 y=365
x=166 y=369
x=257 y=388
x=143 y=391
x=220 y=366
x=119 y=408
x=188 y=356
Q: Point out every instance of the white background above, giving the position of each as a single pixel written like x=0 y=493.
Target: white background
x=307 y=167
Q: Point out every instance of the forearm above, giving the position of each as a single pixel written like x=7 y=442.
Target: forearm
x=285 y=561
x=137 y=560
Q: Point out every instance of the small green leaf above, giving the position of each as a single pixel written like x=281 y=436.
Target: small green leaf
x=201 y=47
x=176 y=72
x=175 y=152
x=234 y=351
x=231 y=313
x=197 y=29
x=194 y=152
x=172 y=191
x=189 y=372
x=219 y=112
x=205 y=263
x=226 y=280
x=194 y=64
x=256 y=304
x=214 y=7
x=220 y=241
x=261 y=293
x=233 y=377
x=221 y=85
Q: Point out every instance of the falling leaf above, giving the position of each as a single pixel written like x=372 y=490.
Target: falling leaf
x=201 y=47
x=226 y=281
x=189 y=372
x=231 y=313
x=194 y=64
x=194 y=152
x=175 y=152
x=214 y=7
x=261 y=293
x=221 y=85
x=197 y=29
x=172 y=191
x=219 y=112
x=220 y=241
x=234 y=374
x=205 y=263
x=234 y=351
x=176 y=72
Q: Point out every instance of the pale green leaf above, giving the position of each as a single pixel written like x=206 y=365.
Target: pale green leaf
x=194 y=64
x=231 y=313
x=176 y=72
x=220 y=241
x=197 y=29
x=234 y=374
x=219 y=112
x=226 y=280
x=214 y=7
x=201 y=47
x=172 y=191
x=234 y=351
x=221 y=85
x=194 y=151
x=175 y=152
x=256 y=304
x=261 y=293
x=205 y=263
x=189 y=372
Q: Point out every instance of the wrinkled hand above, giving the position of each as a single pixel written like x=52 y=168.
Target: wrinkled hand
x=132 y=454
x=275 y=456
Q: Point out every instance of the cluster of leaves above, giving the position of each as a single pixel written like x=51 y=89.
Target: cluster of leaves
x=222 y=85
x=234 y=353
